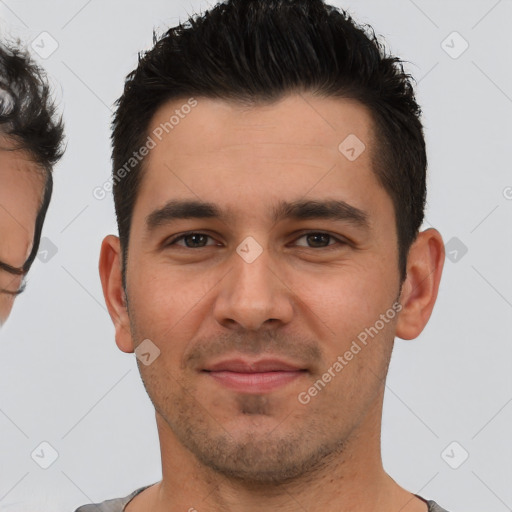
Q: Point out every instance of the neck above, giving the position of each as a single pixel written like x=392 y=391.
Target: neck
x=351 y=480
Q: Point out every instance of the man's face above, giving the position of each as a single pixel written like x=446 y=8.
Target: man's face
x=21 y=191
x=296 y=293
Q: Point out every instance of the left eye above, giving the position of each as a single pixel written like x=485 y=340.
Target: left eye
x=316 y=239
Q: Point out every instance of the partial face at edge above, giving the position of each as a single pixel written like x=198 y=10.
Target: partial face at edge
x=316 y=285
x=21 y=192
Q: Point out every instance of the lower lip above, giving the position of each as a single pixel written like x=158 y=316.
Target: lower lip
x=255 y=382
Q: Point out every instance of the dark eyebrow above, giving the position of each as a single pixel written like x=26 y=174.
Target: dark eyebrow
x=298 y=210
x=332 y=209
x=15 y=271
x=182 y=209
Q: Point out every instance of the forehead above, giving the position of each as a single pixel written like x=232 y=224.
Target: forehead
x=249 y=158
x=303 y=122
x=21 y=191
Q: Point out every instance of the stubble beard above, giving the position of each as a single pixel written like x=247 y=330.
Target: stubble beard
x=254 y=457
x=298 y=448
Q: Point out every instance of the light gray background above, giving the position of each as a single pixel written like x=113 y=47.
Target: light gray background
x=62 y=378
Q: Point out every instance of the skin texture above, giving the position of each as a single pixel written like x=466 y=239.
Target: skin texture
x=21 y=193
x=303 y=299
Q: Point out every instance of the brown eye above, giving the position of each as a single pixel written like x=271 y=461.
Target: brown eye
x=319 y=240
x=191 y=240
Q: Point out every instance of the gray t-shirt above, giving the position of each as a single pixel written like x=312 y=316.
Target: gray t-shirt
x=119 y=504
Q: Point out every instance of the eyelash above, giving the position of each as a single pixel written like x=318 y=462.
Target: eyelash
x=339 y=241
x=17 y=292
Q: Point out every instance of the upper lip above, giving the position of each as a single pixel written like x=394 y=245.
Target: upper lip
x=246 y=366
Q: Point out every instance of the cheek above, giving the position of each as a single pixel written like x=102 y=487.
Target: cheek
x=169 y=303
x=6 y=303
x=166 y=303
x=348 y=299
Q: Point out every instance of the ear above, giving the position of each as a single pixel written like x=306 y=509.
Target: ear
x=111 y=282
x=419 y=291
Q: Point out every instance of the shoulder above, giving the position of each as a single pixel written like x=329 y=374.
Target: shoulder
x=434 y=507
x=114 y=505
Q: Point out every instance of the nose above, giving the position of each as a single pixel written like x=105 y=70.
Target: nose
x=254 y=295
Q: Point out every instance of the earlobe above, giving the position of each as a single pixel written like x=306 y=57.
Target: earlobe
x=419 y=292
x=113 y=292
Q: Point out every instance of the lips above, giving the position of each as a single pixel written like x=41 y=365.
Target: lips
x=247 y=376
x=245 y=366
